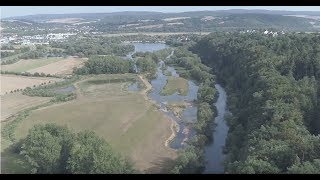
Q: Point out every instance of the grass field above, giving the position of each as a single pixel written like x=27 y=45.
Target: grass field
x=11 y=162
x=26 y=65
x=176 y=84
x=132 y=125
x=57 y=66
x=12 y=82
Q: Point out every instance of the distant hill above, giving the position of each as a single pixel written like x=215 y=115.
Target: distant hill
x=146 y=21
x=45 y=17
x=146 y=13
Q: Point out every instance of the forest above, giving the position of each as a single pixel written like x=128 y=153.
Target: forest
x=273 y=93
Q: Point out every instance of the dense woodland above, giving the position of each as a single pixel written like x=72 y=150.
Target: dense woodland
x=273 y=89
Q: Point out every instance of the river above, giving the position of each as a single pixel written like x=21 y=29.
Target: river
x=213 y=152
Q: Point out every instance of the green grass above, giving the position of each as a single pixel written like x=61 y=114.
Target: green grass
x=26 y=65
x=175 y=84
x=12 y=163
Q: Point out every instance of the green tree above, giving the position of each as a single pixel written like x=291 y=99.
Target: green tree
x=44 y=148
x=93 y=155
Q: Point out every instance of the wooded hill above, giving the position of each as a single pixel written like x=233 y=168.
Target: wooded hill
x=274 y=92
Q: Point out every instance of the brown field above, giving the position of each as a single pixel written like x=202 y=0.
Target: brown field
x=13 y=103
x=175 y=18
x=176 y=23
x=150 y=26
x=62 y=67
x=65 y=20
x=12 y=82
x=208 y=18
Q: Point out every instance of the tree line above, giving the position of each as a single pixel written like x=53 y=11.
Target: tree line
x=88 y=46
x=50 y=90
x=106 y=65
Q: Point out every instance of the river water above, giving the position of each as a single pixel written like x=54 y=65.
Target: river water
x=213 y=152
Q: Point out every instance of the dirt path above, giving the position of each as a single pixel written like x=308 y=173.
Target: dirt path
x=78 y=91
x=148 y=85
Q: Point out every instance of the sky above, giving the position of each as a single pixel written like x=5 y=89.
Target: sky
x=9 y=11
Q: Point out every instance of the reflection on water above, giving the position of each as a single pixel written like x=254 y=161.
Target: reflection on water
x=145 y=47
x=134 y=87
x=214 y=152
x=68 y=89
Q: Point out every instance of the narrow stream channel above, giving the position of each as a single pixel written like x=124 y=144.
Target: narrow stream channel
x=214 y=152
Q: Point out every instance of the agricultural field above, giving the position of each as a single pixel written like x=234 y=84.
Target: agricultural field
x=65 y=20
x=26 y=65
x=57 y=66
x=176 y=84
x=11 y=82
x=130 y=123
x=62 y=67
x=15 y=102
